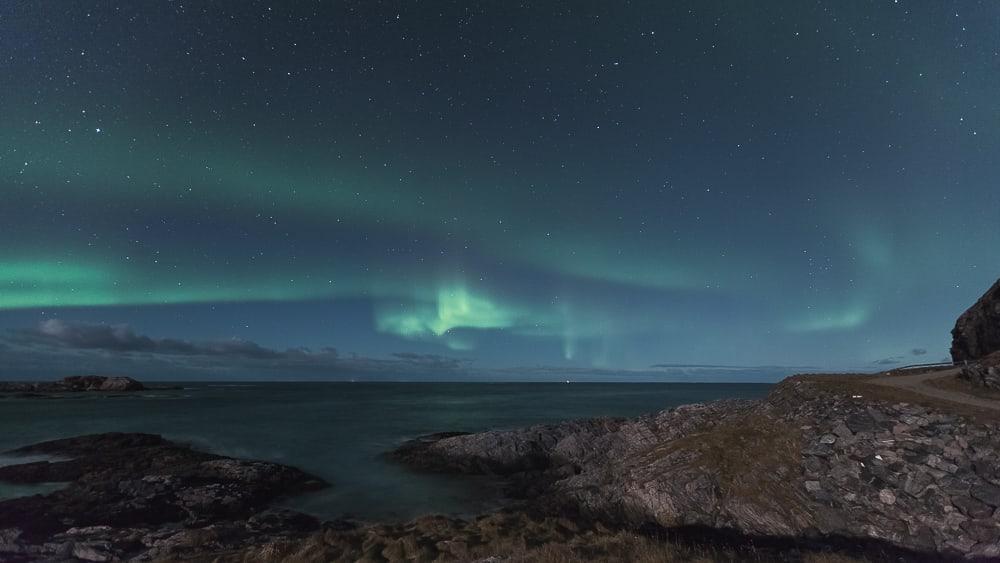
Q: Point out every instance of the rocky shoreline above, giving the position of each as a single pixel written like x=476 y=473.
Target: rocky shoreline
x=813 y=460
x=141 y=497
x=822 y=464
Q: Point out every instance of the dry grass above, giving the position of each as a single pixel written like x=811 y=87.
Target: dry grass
x=751 y=458
x=616 y=547
x=634 y=548
x=959 y=385
x=748 y=454
x=517 y=546
x=829 y=558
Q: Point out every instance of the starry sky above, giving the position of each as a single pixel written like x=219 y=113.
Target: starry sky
x=228 y=188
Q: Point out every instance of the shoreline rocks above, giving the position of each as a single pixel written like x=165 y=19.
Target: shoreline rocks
x=142 y=497
x=812 y=466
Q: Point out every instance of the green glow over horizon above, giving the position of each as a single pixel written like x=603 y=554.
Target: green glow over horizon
x=455 y=307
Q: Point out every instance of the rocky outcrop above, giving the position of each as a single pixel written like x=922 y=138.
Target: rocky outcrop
x=141 y=496
x=101 y=383
x=977 y=331
x=75 y=384
x=809 y=461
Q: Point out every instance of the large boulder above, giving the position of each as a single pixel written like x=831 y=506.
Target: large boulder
x=977 y=332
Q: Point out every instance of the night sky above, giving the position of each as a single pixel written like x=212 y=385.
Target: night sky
x=245 y=188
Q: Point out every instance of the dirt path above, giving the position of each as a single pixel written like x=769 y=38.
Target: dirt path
x=919 y=384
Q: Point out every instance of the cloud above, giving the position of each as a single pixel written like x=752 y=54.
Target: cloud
x=895 y=360
x=902 y=358
x=730 y=367
x=57 y=346
x=430 y=360
x=659 y=373
x=121 y=338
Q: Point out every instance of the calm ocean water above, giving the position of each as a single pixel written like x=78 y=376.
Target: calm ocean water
x=338 y=430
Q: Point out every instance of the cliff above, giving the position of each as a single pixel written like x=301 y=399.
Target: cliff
x=977 y=330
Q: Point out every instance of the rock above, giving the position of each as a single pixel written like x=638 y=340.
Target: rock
x=986 y=492
x=985 y=552
x=917 y=482
x=862 y=422
x=984 y=372
x=961 y=544
x=842 y=431
x=93 y=552
x=457 y=549
x=136 y=493
x=8 y=541
x=982 y=530
x=936 y=462
x=977 y=331
x=886 y=496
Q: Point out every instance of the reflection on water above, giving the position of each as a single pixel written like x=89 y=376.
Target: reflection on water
x=9 y=459
x=11 y=490
x=14 y=490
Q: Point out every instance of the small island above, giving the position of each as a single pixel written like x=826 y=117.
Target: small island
x=77 y=384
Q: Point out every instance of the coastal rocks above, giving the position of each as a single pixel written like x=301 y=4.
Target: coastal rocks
x=75 y=384
x=536 y=448
x=141 y=496
x=809 y=461
x=977 y=331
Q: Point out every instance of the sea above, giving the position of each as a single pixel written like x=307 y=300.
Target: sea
x=339 y=431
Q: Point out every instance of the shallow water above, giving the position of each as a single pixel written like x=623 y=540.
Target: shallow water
x=339 y=430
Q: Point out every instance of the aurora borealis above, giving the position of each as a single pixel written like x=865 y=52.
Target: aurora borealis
x=575 y=185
